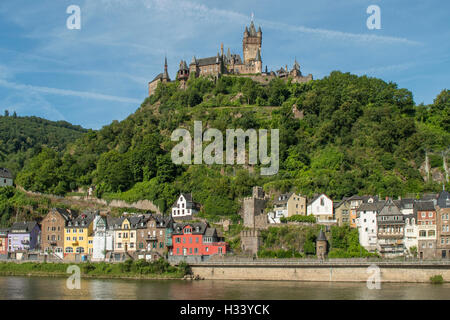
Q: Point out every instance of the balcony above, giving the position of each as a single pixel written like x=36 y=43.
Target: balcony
x=26 y=242
x=52 y=242
x=151 y=238
x=75 y=243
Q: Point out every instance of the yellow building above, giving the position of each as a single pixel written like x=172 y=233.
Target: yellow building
x=77 y=234
x=125 y=234
x=289 y=204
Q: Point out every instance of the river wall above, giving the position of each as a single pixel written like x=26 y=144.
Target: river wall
x=420 y=272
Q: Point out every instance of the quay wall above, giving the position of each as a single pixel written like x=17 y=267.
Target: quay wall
x=322 y=272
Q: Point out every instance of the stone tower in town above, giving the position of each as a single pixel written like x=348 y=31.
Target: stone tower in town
x=321 y=245
x=251 y=44
x=253 y=210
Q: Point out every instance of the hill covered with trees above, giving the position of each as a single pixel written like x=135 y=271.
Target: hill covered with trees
x=22 y=138
x=356 y=135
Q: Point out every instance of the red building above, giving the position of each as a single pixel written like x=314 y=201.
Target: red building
x=196 y=239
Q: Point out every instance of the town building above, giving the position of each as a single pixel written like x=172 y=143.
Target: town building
x=411 y=236
x=406 y=206
x=342 y=212
x=185 y=207
x=250 y=65
x=4 y=241
x=76 y=236
x=366 y=222
x=103 y=238
x=154 y=237
x=23 y=236
x=6 y=178
x=443 y=225
x=321 y=207
x=287 y=205
x=125 y=236
x=390 y=233
x=197 y=239
x=427 y=229
x=52 y=231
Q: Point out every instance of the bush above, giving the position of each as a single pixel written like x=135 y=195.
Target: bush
x=437 y=279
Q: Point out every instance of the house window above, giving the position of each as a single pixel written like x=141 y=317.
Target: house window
x=69 y=250
x=196 y=250
x=161 y=245
x=207 y=249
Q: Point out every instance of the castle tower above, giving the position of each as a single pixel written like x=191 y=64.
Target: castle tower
x=165 y=77
x=251 y=43
x=183 y=74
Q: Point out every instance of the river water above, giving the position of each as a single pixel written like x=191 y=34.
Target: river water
x=55 y=288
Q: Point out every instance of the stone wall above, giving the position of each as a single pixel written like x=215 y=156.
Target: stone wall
x=322 y=273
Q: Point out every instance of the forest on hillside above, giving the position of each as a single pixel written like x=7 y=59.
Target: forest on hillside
x=358 y=135
x=22 y=138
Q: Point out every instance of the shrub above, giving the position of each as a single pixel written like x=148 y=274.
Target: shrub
x=437 y=279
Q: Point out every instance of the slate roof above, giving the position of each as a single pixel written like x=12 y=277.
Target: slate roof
x=66 y=213
x=159 y=76
x=321 y=236
x=424 y=206
x=210 y=232
x=375 y=206
x=443 y=200
x=197 y=227
x=284 y=198
x=83 y=220
x=28 y=226
x=190 y=204
x=5 y=173
x=207 y=61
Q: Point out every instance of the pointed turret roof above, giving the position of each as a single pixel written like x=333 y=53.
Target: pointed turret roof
x=165 y=74
x=258 y=55
x=252 y=29
x=194 y=60
x=321 y=236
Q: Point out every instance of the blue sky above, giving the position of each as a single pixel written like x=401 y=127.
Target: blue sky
x=100 y=73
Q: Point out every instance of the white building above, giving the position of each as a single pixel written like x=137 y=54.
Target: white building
x=321 y=207
x=184 y=206
x=411 y=232
x=366 y=222
x=103 y=241
x=6 y=178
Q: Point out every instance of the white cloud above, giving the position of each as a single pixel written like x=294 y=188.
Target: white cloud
x=63 y=92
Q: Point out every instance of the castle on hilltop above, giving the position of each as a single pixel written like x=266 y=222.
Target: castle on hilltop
x=232 y=64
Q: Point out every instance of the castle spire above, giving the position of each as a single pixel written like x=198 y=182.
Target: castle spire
x=166 y=74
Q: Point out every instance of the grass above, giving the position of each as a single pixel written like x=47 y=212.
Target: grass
x=437 y=279
x=160 y=269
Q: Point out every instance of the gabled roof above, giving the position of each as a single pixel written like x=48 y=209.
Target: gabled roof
x=284 y=198
x=375 y=206
x=5 y=173
x=390 y=209
x=316 y=197
x=27 y=226
x=210 y=232
x=207 y=61
x=159 y=76
x=83 y=220
x=197 y=227
x=66 y=214
x=424 y=206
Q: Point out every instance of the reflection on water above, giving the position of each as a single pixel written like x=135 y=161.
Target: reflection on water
x=55 y=288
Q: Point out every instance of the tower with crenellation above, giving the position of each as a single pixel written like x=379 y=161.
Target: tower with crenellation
x=251 y=44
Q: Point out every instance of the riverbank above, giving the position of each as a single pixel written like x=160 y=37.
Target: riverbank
x=328 y=271
x=127 y=270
